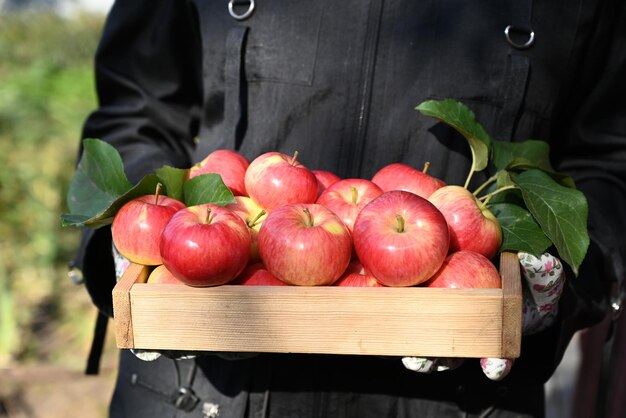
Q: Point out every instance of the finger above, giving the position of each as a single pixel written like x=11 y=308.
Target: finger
x=496 y=368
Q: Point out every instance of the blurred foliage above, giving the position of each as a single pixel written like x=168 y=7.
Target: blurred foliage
x=46 y=92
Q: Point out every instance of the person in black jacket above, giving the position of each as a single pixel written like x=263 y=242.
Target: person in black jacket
x=339 y=81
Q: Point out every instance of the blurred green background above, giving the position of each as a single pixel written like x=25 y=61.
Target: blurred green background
x=46 y=92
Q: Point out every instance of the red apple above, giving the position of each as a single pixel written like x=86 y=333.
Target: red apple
x=400 y=176
x=137 y=227
x=466 y=269
x=253 y=215
x=325 y=179
x=230 y=165
x=347 y=197
x=305 y=244
x=401 y=238
x=257 y=275
x=472 y=226
x=356 y=276
x=161 y=275
x=205 y=245
x=275 y=179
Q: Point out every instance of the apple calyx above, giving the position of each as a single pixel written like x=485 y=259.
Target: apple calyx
x=400 y=227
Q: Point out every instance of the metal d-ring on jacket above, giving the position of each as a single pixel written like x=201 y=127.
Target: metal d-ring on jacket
x=338 y=81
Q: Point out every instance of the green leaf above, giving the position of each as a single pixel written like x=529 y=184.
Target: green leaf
x=526 y=155
x=207 y=188
x=99 y=179
x=461 y=118
x=534 y=152
x=105 y=215
x=173 y=180
x=560 y=211
x=520 y=231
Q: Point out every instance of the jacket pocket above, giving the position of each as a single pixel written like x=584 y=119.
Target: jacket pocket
x=282 y=41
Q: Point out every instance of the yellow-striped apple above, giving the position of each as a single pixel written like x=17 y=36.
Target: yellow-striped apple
x=274 y=179
x=229 y=164
x=399 y=176
x=161 y=275
x=137 y=227
x=347 y=197
x=205 y=245
x=305 y=244
x=401 y=238
x=253 y=215
x=466 y=269
x=472 y=225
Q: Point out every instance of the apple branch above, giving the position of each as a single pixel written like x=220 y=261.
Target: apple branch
x=486 y=198
x=485 y=184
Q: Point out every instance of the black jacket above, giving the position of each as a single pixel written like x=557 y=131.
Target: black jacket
x=338 y=81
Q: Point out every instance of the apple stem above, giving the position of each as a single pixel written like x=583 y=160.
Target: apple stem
x=486 y=198
x=254 y=221
x=469 y=177
x=207 y=220
x=309 y=217
x=157 y=193
x=355 y=195
x=294 y=158
x=400 y=220
x=426 y=166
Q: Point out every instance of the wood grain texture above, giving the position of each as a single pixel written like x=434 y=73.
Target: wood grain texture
x=511 y=305
x=339 y=320
x=122 y=312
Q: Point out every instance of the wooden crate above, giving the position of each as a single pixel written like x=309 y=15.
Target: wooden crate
x=411 y=321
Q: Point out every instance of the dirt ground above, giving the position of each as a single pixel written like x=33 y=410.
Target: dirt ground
x=50 y=391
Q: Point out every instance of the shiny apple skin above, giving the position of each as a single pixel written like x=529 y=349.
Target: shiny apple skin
x=466 y=269
x=229 y=164
x=257 y=275
x=274 y=179
x=339 y=198
x=304 y=254
x=205 y=252
x=405 y=258
x=471 y=228
x=137 y=227
x=399 y=176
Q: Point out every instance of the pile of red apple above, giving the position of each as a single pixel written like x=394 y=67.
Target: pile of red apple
x=291 y=225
